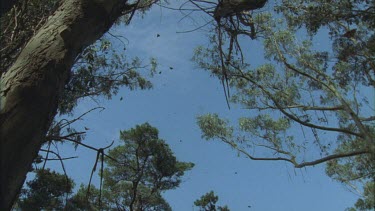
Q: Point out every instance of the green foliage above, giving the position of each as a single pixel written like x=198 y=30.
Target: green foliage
x=368 y=201
x=214 y=127
x=208 y=202
x=316 y=14
x=306 y=100
x=83 y=200
x=354 y=171
x=47 y=191
x=99 y=71
x=350 y=24
x=144 y=168
x=137 y=172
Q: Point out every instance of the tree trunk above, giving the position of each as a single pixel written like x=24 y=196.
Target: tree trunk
x=30 y=89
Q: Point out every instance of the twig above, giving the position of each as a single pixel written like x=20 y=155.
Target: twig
x=67 y=158
x=45 y=160
x=63 y=167
x=180 y=32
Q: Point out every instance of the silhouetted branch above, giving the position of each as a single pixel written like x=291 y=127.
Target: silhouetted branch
x=100 y=153
x=63 y=167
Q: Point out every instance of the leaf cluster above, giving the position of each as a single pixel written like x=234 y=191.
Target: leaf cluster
x=208 y=201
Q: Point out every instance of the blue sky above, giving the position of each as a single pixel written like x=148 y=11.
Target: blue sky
x=178 y=97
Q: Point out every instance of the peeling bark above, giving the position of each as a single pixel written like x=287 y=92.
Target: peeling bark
x=30 y=89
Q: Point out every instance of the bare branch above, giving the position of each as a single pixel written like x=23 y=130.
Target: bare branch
x=303 y=107
x=333 y=157
x=368 y=119
x=67 y=158
x=68 y=122
x=63 y=167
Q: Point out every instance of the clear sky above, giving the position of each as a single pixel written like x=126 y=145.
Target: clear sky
x=178 y=97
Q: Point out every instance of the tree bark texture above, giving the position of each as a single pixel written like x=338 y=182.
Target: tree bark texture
x=30 y=89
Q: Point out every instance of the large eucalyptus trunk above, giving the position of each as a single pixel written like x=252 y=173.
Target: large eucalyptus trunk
x=30 y=89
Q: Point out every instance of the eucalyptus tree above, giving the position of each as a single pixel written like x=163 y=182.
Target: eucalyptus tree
x=42 y=43
x=311 y=101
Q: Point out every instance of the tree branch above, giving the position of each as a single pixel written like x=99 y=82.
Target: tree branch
x=292 y=159
x=333 y=157
x=294 y=118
